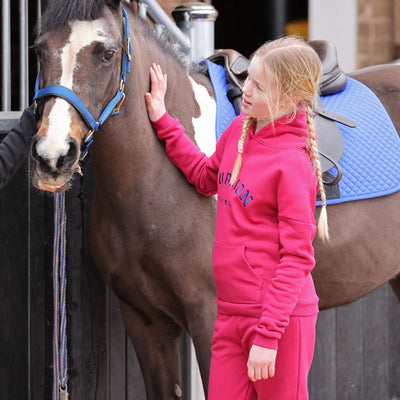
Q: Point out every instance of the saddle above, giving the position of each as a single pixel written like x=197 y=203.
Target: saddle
x=235 y=65
x=333 y=80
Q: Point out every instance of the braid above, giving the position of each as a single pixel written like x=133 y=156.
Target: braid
x=238 y=163
x=323 y=218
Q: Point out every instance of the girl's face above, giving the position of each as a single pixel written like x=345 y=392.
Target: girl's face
x=258 y=85
x=260 y=97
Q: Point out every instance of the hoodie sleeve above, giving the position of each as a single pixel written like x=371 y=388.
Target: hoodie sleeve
x=15 y=146
x=199 y=170
x=296 y=194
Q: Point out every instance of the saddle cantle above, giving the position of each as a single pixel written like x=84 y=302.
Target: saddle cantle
x=333 y=79
x=235 y=65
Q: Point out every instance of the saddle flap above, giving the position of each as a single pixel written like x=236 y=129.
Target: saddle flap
x=330 y=142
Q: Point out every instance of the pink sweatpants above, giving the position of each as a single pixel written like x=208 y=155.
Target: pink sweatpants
x=232 y=341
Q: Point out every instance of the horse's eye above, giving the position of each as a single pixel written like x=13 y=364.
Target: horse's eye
x=108 y=55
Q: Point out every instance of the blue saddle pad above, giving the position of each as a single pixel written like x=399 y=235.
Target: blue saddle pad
x=371 y=157
x=225 y=110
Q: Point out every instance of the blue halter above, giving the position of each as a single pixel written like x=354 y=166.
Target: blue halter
x=112 y=107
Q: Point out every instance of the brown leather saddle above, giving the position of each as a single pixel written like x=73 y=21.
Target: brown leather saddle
x=235 y=65
x=333 y=80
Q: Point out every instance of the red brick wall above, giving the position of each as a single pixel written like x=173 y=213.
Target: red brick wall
x=378 y=38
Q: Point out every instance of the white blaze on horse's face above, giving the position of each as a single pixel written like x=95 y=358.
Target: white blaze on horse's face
x=83 y=33
x=204 y=126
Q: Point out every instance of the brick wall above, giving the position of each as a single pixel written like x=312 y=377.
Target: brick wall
x=378 y=39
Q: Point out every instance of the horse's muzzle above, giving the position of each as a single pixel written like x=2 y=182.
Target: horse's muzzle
x=54 y=172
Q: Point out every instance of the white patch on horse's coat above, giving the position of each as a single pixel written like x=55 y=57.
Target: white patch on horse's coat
x=83 y=33
x=204 y=126
x=54 y=144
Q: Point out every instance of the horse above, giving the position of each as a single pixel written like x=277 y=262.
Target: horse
x=150 y=233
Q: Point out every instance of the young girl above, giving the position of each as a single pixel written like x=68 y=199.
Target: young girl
x=266 y=172
x=14 y=147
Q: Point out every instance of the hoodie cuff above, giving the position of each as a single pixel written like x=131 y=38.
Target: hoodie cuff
x=269 y=343
x=165 y=120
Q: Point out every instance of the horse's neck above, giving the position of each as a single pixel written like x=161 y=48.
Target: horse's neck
x=128 y=149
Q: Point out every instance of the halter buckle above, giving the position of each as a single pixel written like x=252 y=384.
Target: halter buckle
x=128 y=49
x=119 y=104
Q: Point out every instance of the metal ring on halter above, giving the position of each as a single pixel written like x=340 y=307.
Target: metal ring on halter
x=89 y=136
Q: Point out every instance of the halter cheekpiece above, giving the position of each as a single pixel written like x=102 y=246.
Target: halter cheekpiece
x=112 y=107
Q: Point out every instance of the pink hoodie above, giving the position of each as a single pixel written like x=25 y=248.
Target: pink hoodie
x=263 y=252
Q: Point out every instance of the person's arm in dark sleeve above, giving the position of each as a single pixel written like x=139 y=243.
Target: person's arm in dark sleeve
x=14 y=147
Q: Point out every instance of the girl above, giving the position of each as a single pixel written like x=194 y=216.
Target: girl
x=266 y=172
x=14 y=147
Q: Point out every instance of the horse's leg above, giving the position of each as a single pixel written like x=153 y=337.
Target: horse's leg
x=395 y=283
x=200 y=330
x=156 y=343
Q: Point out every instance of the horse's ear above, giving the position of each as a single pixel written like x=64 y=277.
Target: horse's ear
x=113 y=3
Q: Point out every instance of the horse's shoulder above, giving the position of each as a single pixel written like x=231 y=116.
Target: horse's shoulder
x=204 y=80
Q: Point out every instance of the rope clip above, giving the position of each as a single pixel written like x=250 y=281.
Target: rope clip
x=64 y=395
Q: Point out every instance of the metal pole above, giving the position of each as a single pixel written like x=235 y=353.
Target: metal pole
x=24 y=57
x=6 y=57
x=276 y=18
x=158 y=15
x=197 y=21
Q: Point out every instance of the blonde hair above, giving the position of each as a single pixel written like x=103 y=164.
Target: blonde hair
x=297 y=70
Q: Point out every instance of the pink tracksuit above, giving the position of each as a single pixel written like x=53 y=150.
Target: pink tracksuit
x=263 y=254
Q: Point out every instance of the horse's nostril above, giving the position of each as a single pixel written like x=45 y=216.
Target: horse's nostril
x=69 y=159
x=72 y=153
x=60 y=162
x=73 y=149
x=34 y=153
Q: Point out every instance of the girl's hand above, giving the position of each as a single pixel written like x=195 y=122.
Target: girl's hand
x=155 y=99
x=261 y=363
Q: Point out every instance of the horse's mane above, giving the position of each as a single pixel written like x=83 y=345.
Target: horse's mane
x=168 y=45
x=59 y=12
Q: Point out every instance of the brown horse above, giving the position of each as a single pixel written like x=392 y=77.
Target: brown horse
x=151 y=234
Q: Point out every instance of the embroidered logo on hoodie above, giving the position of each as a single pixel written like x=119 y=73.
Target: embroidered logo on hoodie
x=224 y=178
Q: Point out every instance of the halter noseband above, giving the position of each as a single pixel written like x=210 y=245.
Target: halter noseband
x=112 y=108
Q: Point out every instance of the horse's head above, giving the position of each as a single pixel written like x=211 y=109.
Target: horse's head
x=81 y=52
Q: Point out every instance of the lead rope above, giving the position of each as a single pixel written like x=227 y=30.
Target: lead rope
x=60 y=365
